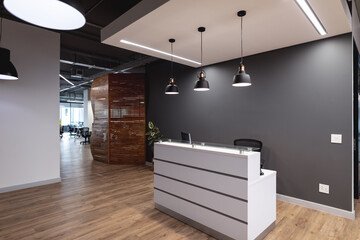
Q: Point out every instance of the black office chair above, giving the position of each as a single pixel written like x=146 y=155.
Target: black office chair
x=72 y=130
x=252 y=143
x=186 y=137
x=61 y=132
x=86 y=134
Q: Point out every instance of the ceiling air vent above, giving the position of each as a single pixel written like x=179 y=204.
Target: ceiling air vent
x=77 y=73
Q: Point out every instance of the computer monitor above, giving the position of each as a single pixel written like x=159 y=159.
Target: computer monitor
x=186 y=137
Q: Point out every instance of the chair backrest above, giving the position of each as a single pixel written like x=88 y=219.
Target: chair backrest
x=85 y=132
x=248 y=143
x=186 y=137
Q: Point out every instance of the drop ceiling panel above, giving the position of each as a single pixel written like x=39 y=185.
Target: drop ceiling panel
x=268 y=25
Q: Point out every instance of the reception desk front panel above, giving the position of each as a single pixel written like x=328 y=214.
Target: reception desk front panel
x=217 y=190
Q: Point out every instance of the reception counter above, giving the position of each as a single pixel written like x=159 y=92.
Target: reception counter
x=216 y=189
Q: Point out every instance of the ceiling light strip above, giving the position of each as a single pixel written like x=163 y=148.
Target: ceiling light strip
x=310 y=14
x=66 y=79
x=158 y=51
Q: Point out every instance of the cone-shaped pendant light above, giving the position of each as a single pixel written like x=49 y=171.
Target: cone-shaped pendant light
x=171 y=88
x=201 y=84
x=241 y=79
x=7 y=69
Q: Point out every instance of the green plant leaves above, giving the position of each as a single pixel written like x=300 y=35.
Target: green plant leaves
x=153 y=135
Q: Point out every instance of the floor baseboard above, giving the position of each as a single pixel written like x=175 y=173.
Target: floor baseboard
x=29 y=185
x=317 y=206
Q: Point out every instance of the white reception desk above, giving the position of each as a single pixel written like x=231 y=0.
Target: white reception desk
x=216 y=189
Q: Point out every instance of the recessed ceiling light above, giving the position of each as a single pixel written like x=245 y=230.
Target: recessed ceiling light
x=305 y=7
x=158 y=51
x=53 y=14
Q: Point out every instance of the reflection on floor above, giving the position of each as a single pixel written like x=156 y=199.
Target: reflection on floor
x=76 y=158
x=100 y=201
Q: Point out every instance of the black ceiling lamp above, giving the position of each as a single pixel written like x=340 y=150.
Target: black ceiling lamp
x=7 y=69
x=241 y=79
x=171 y=88
x=202 y=84
x=53 y=14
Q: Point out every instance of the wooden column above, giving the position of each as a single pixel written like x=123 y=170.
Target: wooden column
x=118 y=102
x=100 y=104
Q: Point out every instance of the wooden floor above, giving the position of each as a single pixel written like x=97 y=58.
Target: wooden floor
x=99 y=201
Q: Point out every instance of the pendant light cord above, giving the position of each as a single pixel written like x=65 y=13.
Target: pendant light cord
x=172 y=63
x=241 y=61
x=1 y=25
x=201 y=60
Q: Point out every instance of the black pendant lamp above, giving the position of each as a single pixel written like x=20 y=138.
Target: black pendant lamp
x=7 y=69
x=171 y=88
x=202 y=84
x=241 y=79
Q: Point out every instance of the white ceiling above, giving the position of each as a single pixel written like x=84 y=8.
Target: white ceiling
x=268 y=25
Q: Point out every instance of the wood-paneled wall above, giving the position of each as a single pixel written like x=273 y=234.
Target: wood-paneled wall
x=100 y=105
x=119 y=125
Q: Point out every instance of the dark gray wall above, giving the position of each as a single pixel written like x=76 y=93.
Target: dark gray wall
x=300 y=95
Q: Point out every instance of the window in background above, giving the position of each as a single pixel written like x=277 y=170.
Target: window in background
x=72 y=114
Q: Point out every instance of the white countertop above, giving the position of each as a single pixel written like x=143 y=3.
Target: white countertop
x=207 y=148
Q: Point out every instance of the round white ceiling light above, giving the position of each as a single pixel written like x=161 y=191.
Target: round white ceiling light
x=53 y=14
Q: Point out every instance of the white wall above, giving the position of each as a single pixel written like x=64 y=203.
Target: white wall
x=29 y=108
x=88 y=112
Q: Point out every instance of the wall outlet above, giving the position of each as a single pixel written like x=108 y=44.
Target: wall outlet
x=336 y=138
x=323 y=188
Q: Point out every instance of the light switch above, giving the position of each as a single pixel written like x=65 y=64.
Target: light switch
x=336 y=138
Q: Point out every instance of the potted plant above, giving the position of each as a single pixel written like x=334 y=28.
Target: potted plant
x=153 y=136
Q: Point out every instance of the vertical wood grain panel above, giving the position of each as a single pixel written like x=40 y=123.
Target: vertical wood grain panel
x=119 y=119
x=100 y=127
x=127 y=118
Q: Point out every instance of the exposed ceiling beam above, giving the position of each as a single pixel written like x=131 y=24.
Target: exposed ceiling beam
x=126 y=66
x=94 y=25
x=81 y=34
x=68 y=75
x=121 y=68
x=76 y=86
x=93 y=7
x=79 y=53
x=85 y=65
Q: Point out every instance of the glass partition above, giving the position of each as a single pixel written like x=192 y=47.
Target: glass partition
x=210 y=146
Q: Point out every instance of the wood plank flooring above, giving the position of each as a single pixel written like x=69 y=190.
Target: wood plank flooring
x=100 y=201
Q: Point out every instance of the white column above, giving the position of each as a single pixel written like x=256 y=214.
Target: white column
x=86 y=109
x=88 y=113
